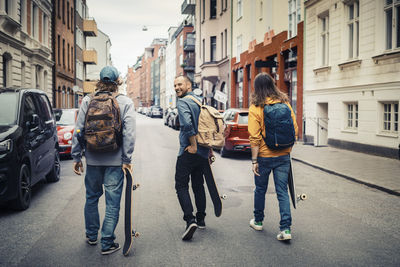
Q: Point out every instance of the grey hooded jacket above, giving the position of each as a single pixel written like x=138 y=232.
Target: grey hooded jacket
x=115 y=158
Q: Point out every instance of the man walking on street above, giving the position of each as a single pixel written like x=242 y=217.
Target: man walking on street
x=191 y=159
x=106 y=161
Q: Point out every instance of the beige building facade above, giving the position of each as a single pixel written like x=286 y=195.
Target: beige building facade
x=213 y=35
x=351 y=74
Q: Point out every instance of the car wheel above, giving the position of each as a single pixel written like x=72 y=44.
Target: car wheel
x=224 y=152
x=54 y=174
x=23 y=199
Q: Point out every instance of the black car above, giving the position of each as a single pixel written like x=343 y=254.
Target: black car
x=28 y=144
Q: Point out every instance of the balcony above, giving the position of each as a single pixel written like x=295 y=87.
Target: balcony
x=90 y=27
x=188 y=7
x=189 y=43
x=90 y=56
x=89 y=87
x=189 y=64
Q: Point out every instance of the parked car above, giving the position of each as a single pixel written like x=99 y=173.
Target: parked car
x=236 y=132
x=155 y=111
x=167 y=113
x=174 y=119
x=139 y=110
x=65 y=120
x=144 y=111
x=28 y=144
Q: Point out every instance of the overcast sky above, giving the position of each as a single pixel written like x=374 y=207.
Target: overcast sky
x=123 y=20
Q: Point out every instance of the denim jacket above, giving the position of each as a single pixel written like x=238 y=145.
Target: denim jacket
x=189 y=112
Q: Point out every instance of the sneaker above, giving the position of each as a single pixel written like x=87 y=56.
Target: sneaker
x=256 y=225
x=114 y=247
x=190 y=229
x=284 y=235
x=91 y=242
x=201 y=224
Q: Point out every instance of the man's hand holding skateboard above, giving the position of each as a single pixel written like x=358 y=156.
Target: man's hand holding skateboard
x=78 y=167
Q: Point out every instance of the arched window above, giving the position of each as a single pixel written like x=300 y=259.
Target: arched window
x=45 y=81
x=22 y=74
x=7 y=64
x=63 y=98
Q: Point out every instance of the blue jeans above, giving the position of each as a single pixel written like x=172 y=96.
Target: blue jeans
x=113 y=180
x=280 y=167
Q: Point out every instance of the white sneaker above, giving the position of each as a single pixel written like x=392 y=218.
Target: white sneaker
x=256 y=225
x=284 y=235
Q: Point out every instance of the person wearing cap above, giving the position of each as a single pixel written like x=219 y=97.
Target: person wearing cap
x=105 y=168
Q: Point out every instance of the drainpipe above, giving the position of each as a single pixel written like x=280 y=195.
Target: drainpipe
x=304 y=63
x=230 y=60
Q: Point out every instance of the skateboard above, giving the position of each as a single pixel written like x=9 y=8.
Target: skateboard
x=292 y=190
x=129 y=232
x=212 y=189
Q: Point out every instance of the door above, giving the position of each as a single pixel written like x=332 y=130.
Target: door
x=322 y=124
x=32 y=134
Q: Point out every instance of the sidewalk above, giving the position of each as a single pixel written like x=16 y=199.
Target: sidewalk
x=377 y=172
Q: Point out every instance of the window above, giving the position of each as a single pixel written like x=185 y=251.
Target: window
x=63 y=11
x=6 y=69
x=181 y=40
x=239 y=9
x=324 y=40
x=45 y=30
x=68 y=15
x=59 y=8
x=213 y=9
x=63 y=53
x=68 y=58
x=35 y=22
x=294 y=16
x=352 y=116
x=392 y=21
x=226 y=42
x=238 y=47
x=353 y=13
x=72 y=19
x=390 y=117
x=204 y=50
x=213 y=48
x=72 y=58
x=23 y=16
x=222 y=45
x=58 y=49
x=180 y=60
x=23 y=74
x=260 y=11
x=204 y=10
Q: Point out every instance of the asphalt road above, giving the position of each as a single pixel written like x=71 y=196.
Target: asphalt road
x=341 y=224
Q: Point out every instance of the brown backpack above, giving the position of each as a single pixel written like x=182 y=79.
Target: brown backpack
x=210 y=132
x=103 y=122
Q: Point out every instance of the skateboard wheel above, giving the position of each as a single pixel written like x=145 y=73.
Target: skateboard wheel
x=303 y=196
x=224 y=196
x=135 y=186
x=212 y=159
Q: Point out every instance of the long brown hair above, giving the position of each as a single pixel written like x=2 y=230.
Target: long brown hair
x=264 y=86
x=109 y=87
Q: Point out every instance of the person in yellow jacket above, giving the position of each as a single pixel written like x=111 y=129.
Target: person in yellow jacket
x=265 y=160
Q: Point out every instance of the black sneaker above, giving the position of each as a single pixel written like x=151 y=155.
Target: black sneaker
x=114 y=247
x=201 y=224
x=91 y=242
x=190 y=229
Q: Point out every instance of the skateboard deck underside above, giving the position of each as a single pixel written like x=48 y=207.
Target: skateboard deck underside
x=292 y=190
x=213 y=190
x=128 y=213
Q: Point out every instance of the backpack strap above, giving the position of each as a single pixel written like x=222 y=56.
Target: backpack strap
x=194 y=99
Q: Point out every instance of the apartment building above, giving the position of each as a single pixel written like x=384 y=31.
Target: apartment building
x=96 y=56
x=133 y=82
x=267 y=36
x=351 y=74
x=170 y=68
x=213 y=35
x=64 y=53
x=25 y=44
x=85 y=27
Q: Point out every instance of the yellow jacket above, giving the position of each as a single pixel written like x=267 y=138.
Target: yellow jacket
x=256 y=127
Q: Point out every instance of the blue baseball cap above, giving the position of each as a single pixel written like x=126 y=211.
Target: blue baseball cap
x=109 y=74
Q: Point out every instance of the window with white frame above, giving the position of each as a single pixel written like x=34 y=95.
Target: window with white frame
x=353 y=13
x=294 y=16
x=238 y=47
x=392 y=24
x=324 y=39
x=79 y=38
x=35 y=22
x=22 y=18
x=239 y=9
x=352 y=116
x=390 y=122
x=45 y=29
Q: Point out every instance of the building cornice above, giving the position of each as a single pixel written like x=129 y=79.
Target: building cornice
x=309 y=3
x=5 y=38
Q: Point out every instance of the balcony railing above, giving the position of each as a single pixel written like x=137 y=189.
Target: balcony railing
x=90 y=27
x=189 y=64
x=188 y=7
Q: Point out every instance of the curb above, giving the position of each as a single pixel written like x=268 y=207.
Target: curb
x=383 y=189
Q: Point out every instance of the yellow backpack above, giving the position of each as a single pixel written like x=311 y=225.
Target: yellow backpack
x=210 y=132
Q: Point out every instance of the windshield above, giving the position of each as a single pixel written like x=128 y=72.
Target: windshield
x=8 y=108
x=243 y=118
x=65 y=117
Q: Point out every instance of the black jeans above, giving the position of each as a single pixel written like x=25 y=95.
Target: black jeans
x=190 y=166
